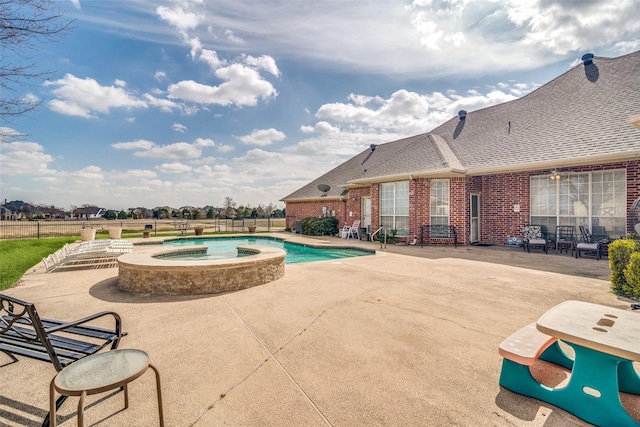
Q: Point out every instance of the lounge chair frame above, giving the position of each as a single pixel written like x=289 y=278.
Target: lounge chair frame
x=24 y=333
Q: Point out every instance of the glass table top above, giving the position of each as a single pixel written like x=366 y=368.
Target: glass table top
x=100 y=370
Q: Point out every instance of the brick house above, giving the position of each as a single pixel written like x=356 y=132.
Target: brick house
x=567 y=153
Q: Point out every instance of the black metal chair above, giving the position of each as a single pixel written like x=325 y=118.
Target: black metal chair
x=587 y=244
x=565 y=238
x=533 y=236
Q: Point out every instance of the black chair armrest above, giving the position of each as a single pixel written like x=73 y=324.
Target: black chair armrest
x=79 y=329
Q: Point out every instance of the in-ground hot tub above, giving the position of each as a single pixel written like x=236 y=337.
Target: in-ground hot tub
x=153 y=272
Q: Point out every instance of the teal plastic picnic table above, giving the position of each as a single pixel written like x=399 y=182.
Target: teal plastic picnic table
x=606 y=342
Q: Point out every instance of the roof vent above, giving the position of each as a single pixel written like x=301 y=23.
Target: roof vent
x=373 y=147
x=462 y=114
x=587 y=58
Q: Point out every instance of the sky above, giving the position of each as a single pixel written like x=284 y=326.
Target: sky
x=183 y=103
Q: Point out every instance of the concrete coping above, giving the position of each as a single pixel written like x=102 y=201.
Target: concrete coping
x=161 y=258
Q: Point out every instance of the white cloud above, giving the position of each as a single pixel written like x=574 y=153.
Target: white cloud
x=178 y=150
x=140 y=173
x=140 y=144
x=24 y=158
x=320 y=127
x=264 y=62
x=7 y=134
x=165 y=105
x=406 y=113
x=179 y=18
x=361 y=100
x=243 y=86
x=563 y=27
x=160 y=75
x=86 y=97
x=90 y=173
x=211 y=58
x=179 y=127
x=230 y=35
x=262 y=137
x=173 y=168
x=476 y=35
x=204 y=142
x=627 y=46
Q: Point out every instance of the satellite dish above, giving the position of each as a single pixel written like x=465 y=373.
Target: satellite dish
x=324 y=188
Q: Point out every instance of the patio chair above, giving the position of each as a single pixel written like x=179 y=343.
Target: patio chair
x=533 y=236
x=588 y=245
x=565 y=238
x=353 y=230
x=90 y=254
x=24 y=333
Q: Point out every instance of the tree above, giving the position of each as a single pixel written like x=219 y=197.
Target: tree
x=110 y=214
x=24 y=26
x=122 y=215
x=229 y=207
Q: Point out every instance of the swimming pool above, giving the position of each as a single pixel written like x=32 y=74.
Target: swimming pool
x=226 y=247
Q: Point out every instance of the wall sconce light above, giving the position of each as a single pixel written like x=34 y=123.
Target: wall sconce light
x=355 y=199
x=554 y=174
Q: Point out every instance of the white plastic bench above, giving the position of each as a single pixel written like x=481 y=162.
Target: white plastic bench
x=525 y=345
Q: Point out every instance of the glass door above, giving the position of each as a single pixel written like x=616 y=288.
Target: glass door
x=366 y=214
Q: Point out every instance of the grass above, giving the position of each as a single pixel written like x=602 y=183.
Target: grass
x=18 y=256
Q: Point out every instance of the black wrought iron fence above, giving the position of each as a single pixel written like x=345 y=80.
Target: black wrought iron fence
x=14 y=230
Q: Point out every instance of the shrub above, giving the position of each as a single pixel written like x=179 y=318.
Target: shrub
x=619 y=254
x=319 y=226
x=632 y=276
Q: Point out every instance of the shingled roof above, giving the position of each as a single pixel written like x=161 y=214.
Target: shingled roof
x=579 y=118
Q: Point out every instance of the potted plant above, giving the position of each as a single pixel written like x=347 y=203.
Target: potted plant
x=115 y=232
x=87 y=234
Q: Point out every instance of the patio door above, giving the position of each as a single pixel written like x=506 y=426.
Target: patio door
x=474 y=215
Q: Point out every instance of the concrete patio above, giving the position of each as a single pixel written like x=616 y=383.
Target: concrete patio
x=406 y=337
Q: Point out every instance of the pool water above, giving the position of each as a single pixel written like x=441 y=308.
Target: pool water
x=226 y=247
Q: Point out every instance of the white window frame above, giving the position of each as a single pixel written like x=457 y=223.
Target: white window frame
x=439 y=202
x=594 y=199
x=394 y=206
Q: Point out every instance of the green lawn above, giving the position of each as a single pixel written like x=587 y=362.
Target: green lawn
x=18 y=256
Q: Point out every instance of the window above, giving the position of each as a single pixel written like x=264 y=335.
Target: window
x=394 y=206
x=439 y=202
x=596 y=200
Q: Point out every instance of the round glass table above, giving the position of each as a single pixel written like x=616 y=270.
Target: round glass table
x=99 y=373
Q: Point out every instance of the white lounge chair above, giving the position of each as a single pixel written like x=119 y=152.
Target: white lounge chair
x=89 y=254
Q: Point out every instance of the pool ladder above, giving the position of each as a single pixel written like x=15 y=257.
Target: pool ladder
x=378 y=232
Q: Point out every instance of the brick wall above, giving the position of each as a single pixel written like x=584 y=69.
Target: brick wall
x=347 y=209
x=500 y=196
